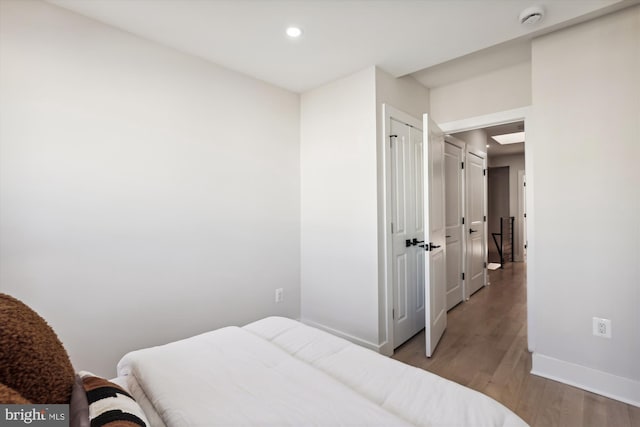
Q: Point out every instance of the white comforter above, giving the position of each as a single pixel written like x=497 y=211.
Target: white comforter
x=279 y=372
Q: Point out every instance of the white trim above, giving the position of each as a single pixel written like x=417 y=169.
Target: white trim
x=344 y=335
x=456 y=142
x=494 y=119
x=388 y=112
x=487 y=120
x=478 y=153
x=522 y=210
x=605 y=384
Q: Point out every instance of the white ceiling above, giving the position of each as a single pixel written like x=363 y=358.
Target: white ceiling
x=339 y=36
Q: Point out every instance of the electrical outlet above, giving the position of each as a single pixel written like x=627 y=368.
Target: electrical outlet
x=601 y=327
x=279 y=295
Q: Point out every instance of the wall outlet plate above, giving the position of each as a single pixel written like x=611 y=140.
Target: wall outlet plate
x=602 y=327
x=279 y=295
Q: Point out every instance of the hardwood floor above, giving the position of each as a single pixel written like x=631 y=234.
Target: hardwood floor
x=485 y=348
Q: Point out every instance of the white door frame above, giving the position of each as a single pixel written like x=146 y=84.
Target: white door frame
x=386 y=293
x=522 y=211
x=500 y=118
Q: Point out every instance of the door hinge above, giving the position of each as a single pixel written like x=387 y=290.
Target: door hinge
x=391 y=228
x=484 y=172
x=393 y=314
x=392 y=138
x=463 y=220
x=524 y=183
x=462 y=165
x=485 y=218
x=525 y=215
x=485 y=265
x=462 y=276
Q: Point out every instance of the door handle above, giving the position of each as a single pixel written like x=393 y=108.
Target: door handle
x=414 y=242
x=432 y=246
x=429 y=246
x=471 y=230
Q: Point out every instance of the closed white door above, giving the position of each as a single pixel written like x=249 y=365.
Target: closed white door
x=475 y=275
x=434 y=236
x=454 y=211
x=407 y=201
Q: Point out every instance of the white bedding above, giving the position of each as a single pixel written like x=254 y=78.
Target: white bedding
x=279 y=372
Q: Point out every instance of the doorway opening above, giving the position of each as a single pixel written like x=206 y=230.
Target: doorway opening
x=519 y=159
x=506 y=214
x=483 y=125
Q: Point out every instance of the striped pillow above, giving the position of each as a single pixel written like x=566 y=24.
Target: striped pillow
x=110 y=405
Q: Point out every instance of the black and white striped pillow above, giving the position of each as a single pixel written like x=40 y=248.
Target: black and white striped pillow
x=110 y=405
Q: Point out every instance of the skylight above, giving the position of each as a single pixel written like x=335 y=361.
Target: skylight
x=509 y=138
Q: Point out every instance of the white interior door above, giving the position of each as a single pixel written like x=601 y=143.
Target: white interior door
x=434 y=236
x=417 y=139
x=476 y=224
x=407 y=218
x=454 y=211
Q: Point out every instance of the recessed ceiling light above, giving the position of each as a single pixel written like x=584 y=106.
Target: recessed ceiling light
x=509 y=138
x=294 y=32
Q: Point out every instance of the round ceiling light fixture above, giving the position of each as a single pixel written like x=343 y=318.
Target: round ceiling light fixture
x=531 y=15
x=294 y=32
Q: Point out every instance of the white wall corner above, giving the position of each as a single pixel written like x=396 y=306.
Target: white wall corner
x=619 y=388
x=361 y=342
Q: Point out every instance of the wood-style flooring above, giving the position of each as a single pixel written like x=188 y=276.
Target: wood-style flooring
x=485 y=348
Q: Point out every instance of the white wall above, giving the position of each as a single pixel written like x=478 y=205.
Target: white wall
x=339 y=207
x=586 y=133
x=404 y=93
x=146 y=195
x=499 y=90
x=343 y=275
x=515 y=162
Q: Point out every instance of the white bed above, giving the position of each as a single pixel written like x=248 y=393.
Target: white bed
x=279 y=372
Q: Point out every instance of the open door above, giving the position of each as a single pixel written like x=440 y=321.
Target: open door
x=434 y=231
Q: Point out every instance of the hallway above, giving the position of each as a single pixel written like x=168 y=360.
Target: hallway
x=485 y=348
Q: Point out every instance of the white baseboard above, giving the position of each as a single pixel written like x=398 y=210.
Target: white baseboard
x=603 y=383
x=346 y=336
